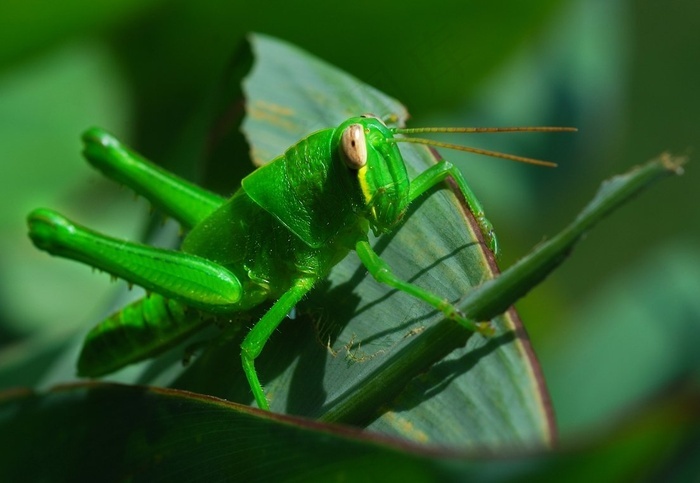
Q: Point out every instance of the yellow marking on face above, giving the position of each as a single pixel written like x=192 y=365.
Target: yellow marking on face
x=362 y=177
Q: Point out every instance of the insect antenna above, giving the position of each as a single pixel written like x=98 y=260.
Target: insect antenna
x=477 y=130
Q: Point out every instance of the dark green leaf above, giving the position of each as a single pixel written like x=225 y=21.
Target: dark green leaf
x=353 y=331
x=146 y=434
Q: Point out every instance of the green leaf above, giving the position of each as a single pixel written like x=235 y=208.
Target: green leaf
x=352 y=329
x=105 y=432
x=147 y=434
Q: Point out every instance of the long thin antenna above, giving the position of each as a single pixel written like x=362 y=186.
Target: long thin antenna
x=470 y=130
x=457 y=147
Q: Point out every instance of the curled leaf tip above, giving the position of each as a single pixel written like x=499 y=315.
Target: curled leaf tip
x=673 y=163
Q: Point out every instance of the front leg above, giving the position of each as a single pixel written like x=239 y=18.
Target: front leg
x=437 y=173
x=381 y=272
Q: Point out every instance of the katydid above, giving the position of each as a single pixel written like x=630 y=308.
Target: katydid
x=283 y=230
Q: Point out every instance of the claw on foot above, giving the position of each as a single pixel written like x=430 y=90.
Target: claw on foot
x=485 y=329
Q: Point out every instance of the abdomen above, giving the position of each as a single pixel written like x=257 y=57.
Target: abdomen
x=254 y=245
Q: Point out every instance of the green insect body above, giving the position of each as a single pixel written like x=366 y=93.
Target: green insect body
x=291 y=221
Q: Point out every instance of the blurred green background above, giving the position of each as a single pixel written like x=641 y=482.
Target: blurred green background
x=618 y=325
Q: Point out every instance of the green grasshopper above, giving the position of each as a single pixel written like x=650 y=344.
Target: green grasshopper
x=282 y=231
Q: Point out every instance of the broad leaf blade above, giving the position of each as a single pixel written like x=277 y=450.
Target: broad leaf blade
x=108 y=432
x=488 y=392
x=148 y=434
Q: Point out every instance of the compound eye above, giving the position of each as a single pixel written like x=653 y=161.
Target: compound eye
x=354 y=146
